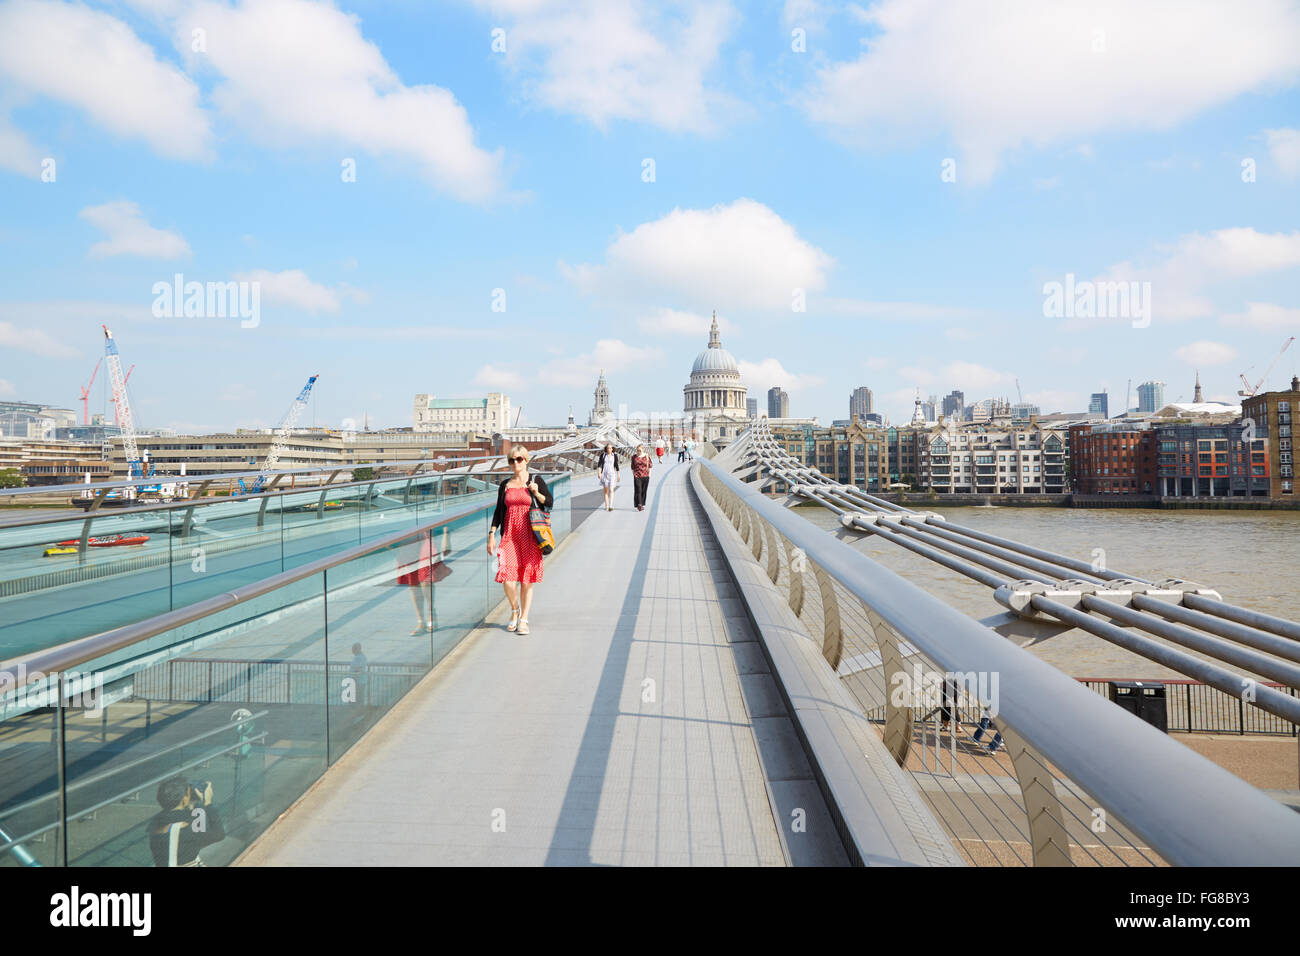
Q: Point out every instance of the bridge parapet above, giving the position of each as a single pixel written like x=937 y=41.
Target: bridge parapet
x=1079 y=781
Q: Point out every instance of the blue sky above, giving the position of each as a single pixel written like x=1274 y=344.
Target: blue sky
x=1149 y=142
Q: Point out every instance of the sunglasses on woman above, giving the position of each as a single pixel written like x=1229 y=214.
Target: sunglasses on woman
x=515 y=461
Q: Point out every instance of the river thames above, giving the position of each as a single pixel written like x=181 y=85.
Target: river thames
x=1252 y=558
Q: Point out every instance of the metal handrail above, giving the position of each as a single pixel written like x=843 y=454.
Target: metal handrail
x=1188 y=809
x=186 y=503
x=450 y=463
x=67 y=656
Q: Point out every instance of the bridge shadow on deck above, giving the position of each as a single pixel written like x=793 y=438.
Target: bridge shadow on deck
x=577 y=824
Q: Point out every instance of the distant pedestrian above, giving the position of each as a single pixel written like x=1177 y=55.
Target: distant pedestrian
x=640 y=477
x=690 y=450
x=519 y=565
x=607 y=468
x=985 y=721
x=681 y=451
x=659 y=449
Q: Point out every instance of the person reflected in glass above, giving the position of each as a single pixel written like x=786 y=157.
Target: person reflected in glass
x=519 y=565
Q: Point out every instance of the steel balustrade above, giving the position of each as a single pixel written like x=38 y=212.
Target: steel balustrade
x=1078 y=594
x=1186 y=809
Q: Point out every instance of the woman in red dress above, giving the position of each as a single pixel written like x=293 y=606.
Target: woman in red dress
x=520 y=562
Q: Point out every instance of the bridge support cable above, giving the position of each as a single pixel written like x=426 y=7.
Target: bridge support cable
x=1167 y=609
x=1064 y=738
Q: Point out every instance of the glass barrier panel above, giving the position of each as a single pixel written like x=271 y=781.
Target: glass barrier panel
x=381 y=626
x=463 y=590
x=31 y=830
x=237 y=701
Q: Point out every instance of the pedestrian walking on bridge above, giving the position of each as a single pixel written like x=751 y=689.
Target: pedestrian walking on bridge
x=607 y=468
x=520 y=561
x=641 y=465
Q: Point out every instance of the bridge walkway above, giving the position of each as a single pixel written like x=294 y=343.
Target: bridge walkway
x=637 y=724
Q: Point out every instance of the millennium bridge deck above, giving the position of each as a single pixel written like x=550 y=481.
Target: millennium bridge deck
x=636 y=724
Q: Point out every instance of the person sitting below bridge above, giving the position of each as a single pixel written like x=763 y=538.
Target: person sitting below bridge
x=188 y=822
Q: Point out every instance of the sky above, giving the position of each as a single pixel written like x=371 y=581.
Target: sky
x=510 y=195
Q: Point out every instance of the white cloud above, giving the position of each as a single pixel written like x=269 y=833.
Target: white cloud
x=960 y=334
x=1182 y=274
x=612 y=355
x=995 y=76
x=7 y=389
x=917 y=376
x=877 y=363
x=968 y=376
x=811 y=15
x=675 y=322
x=95 y=62
x=17 y=154
x=127 y=233
x=619 y=61
x=760 y=376
x=295 y=71
x=1284 y=147
x=496 y=376
x=36 y=341
x=292 y=287
x=1205 y=353
x=1265 y=315
x=743 y=254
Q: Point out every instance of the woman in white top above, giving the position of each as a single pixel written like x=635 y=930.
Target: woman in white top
x=607 y=467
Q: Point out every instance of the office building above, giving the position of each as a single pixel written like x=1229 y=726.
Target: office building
x=1099 y=404
x=954 y=406
x=1151 y=397
x=860 y=403
x=1273 y=416
x=778 y=403
x=485 y=416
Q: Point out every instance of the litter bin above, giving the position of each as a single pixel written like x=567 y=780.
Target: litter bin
x=1143 y=699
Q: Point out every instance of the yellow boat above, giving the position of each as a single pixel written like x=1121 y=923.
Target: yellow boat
x=52 y=552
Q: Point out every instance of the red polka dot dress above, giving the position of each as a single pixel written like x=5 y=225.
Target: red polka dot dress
x=519 y=557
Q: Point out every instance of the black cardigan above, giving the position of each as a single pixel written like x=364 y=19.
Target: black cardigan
x=548 y=502
x=600 y=462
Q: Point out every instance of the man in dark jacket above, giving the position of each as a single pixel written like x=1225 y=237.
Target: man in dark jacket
x=188 y=822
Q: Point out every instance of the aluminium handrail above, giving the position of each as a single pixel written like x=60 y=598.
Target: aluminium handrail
x=1188 y=809
x=394 y=464
x=64 y=657
x=185 y=503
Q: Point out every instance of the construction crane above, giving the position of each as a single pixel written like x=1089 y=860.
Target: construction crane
x=134 y=464
x=1251 y=390
x=281 y=439
x=85 y=394
x=126 y=380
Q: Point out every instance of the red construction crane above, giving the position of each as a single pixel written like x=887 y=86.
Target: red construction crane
x=85 y=395
x=1250 y=390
